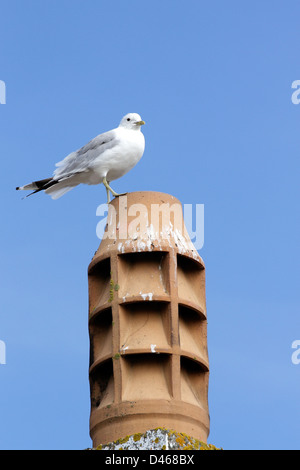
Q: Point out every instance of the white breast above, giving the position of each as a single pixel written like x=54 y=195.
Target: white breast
x=117 y=161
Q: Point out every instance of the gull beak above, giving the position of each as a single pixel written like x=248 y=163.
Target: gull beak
x=139 y=123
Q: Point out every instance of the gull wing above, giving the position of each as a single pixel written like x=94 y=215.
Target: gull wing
x=82 y=159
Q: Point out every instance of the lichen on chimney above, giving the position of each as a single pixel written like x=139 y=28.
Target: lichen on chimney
x=157 y=439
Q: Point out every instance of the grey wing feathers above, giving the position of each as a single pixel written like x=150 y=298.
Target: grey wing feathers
x=81 y=160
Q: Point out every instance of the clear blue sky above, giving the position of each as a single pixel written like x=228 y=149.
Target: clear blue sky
x=213 y=81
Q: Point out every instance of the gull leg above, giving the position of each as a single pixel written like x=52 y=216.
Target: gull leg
x=108 y=188
x=108 y=195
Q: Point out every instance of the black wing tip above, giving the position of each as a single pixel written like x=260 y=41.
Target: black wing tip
x=17 y=188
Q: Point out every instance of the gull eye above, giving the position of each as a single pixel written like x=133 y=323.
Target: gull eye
x=128 y=119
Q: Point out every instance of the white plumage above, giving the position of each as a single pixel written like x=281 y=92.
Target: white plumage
x=104 y=159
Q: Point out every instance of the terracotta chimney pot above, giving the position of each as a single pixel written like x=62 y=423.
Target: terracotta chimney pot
x=147 y=323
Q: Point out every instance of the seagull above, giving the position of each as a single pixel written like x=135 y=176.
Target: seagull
x=105 y=158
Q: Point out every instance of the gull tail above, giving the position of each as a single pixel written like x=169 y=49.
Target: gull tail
x=54 y=188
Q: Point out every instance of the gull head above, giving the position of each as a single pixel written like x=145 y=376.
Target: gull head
x=132 y=121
